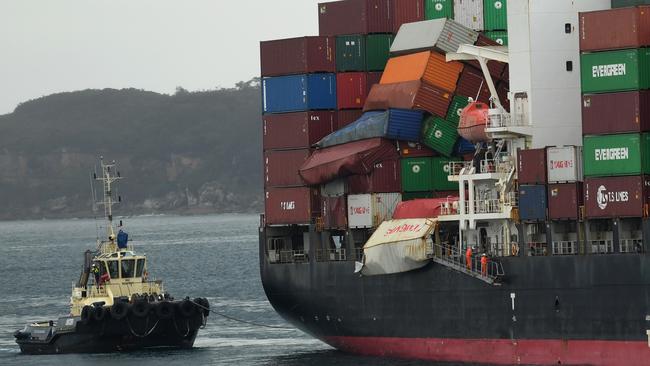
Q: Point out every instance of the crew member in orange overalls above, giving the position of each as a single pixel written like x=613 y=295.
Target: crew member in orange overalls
x=484 y=261
x=468 y=258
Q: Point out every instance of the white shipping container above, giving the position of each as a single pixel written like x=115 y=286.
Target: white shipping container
x=370 y=210
x=469 y=13
x=564 y=164
x=335 y=188
x=440 y=34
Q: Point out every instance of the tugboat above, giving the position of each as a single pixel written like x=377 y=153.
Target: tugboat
x=114 y=307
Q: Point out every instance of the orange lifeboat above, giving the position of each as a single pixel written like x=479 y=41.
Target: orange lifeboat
x=473 y=120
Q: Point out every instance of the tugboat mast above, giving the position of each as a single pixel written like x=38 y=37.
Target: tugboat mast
x=107 y=180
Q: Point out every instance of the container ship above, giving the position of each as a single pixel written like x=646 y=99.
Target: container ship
x=462 y=180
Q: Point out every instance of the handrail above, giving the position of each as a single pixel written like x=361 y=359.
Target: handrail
x=331 y=255
x=450 y=255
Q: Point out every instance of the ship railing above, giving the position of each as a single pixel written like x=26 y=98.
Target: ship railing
x=109 y=247
x=454 y=168
x=499 y=120
x=331 y=255
x=450 y=255
x=499 y=165
x=450 y=207
x=605 y=246
x=631 y=245
x=536 y=248
x=565 y=247
x=292 y=256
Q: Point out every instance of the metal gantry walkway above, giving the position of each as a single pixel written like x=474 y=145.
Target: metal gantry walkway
x=451 y=258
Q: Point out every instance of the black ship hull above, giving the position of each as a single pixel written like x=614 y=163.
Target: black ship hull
x=548 y=310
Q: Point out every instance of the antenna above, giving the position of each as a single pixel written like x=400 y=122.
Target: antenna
x=107 y=181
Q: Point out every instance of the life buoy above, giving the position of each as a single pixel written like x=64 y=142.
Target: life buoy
x=119 y=310
x=86 y=314
x=164 y=310
x=514 y=249
x=141 y=308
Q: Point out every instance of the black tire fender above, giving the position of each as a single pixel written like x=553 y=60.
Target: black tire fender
x=119 y=310
x=164 y=310
x=141 y=308
x=86 y=314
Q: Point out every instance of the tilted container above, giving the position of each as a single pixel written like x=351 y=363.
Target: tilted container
x=610 y=113
x=287 y=206
x=296 y=130
x=417 y=174
x=283 y=94
x=610 y=155
x=281 y=167
x=564 y=164
x=385 y=177
x=441 y=35
x=427 y=66
x=495 y=15
x=412 y=149
x=471 y=83
x=469 y=13
x=437 y=9
x=370 y=210
x=406 y=11
x=626 y=28
x=302 y=55
x=458 y=103
x=531 y=166
x=496 y=68
x=624 y=3
x=612 y=197
x=408 y=95
x=346 y=117
x=440 y=135
x=564 y=201
x=500 y=37
x=612 y=71
x=354 y=17
x=532 y=202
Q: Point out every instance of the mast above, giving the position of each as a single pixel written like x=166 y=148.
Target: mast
x=107 y=180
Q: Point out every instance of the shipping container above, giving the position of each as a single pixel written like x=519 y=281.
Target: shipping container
x=564 y=164
x=282 y=94
x=440 y=168
x=406 y=11
x=385 y=177
x=626 y=28
x=564 y=201
x=346 y=117
x=440 y=135
x=442 y=35
x=464 y=147
x=351 y=90
x=334 y=213
x=398 y=124
x=335 y=188
x=417 y=174
x=296 y=130
x=531 y=166
x=408 y=95
x=496 y=68
x=612 y=197
x=354 y=17
x=532 y=202
x=469 y=13
x=500 y=37
x=370 y=210
x=610 y=155
x=409 y=196
x=286 y=206
x=612 y=71
x=377 y=51
x=351 y=53
x=302 y=55
x=610 y=113
x=428 y=66
x=458 y=103
x=471 y=83
x=281 y=167
x=411 y=149
x=438 y=9
x=373 y=78
x=495 y=15
x=624 y=3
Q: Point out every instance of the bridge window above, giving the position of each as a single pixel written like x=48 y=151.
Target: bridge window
x=128 y=268
x=140 y=268
x=113 y=269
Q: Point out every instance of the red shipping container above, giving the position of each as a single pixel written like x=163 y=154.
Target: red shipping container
x=346 y=117
x=281 y=167
x=351 y=90
x=286 y=206
x=496 y=68
x=615 y=29
x=617 y=196
x=564 y=201
x=472 y=84
x=414 y=150
x=334 y=212
x=531 y=166
x=385 y=178
x=298 y=56
x=373 y=78
x=610 y=113
x=296 y=130
x=406 y=11
x=409 y=95
x=354 y=17
x=503 y=91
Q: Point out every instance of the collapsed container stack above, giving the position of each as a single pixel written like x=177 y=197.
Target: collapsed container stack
x=615 y=72
x=363 y=116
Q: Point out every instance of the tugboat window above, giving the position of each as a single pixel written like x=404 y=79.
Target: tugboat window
x=140 y=268
x=128 y=268
x=113 y=269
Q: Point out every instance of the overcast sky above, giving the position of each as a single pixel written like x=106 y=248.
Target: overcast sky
x=49 y=46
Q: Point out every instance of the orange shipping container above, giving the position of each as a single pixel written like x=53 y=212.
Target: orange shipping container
x=428 y=66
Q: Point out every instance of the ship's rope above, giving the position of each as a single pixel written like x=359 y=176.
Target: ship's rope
x=241 y=320
x=145 y=334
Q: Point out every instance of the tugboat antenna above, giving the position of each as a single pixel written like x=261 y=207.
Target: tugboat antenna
x=107 y=181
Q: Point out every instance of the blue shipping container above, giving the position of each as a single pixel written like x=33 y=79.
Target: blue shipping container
x=398 y=124
x=296 y=93
x=532 y=202
x=463 y=147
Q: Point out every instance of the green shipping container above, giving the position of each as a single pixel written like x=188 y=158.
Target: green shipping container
x=439 y=134
x=613 y=71
x=500 y=37
x=417 y=174
x=625 y=3
x=458 y=102
x=611 y=155
x=409 y=196
x=440 y=174
x=351 y=53
x=495 y=15
x=377 y=51
x=436 y=9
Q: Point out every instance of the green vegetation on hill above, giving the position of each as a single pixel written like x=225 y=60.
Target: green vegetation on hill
x=188 y=152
